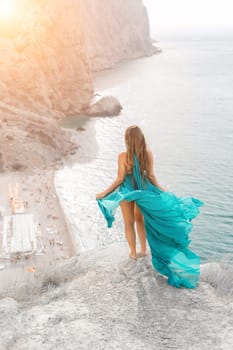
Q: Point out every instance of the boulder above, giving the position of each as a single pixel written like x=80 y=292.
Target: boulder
x=107 y=106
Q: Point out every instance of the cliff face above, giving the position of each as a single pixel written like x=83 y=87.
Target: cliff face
x=49 y=49
x=29 y=140
x=116 y=30
x=43 y=63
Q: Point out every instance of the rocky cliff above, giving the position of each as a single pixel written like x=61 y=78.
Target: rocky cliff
x=49 y=49
x=116 y=30
x=44 y=65
x=29 y=140
x=103 y=300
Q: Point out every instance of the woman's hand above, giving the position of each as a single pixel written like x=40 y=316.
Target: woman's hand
x=100 y=195
x=120 y=178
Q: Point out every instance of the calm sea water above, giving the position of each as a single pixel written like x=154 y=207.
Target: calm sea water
x=182 y=99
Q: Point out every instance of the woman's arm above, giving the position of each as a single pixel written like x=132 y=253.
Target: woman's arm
x=120 y=177
x=151 y=175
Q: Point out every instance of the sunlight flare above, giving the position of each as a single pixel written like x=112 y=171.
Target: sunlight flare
x=7 y=9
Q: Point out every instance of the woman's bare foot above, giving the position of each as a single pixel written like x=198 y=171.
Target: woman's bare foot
x=132 y=256
x=142 y=254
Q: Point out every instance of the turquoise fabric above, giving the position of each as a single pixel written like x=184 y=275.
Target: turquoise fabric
x=167 y=223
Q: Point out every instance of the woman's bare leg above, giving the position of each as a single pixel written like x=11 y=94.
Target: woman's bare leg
x=127 y=209
x=140 y=229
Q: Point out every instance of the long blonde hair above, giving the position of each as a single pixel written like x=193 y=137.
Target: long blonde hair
x=136 y=144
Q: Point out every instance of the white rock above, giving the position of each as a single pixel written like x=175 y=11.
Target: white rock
x=103 y=300
x=106 y=106
x=9 y=322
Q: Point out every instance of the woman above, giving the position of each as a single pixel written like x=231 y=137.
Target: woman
x=160 y=216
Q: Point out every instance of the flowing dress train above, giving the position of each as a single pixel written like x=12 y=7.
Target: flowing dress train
x=167 y=220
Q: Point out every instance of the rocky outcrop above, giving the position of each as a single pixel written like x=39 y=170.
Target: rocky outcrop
x=102 y=300
x=107 y=106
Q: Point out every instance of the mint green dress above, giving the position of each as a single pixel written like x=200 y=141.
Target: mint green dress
x=168 y=224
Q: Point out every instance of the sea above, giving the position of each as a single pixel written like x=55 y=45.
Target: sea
x=182 y=98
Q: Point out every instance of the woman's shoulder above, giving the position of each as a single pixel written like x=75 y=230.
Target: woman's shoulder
x=122 y=155
x=149 y=153
x=122 y=158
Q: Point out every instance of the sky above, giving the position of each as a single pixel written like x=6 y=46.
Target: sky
x=169 y=14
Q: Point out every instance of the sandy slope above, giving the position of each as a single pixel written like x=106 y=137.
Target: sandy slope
x=29 y=140
x=31 y=147
x=103 y=300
